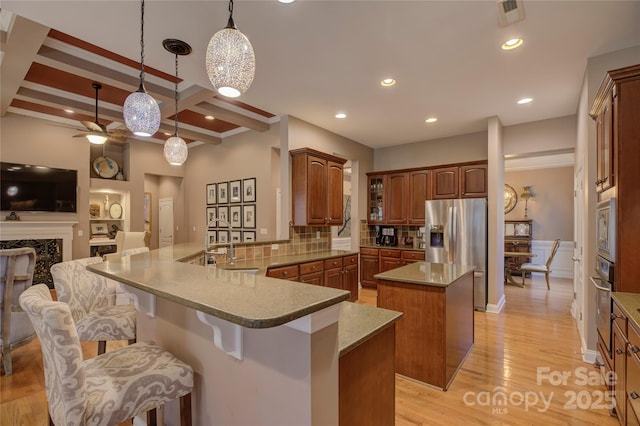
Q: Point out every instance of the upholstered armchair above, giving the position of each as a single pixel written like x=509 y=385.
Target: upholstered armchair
x=16 y=275
x=92 y=303
x=110 y=388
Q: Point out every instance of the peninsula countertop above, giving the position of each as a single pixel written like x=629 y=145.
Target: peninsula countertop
x=427 y=273
x=630 y=305
x=248 y=300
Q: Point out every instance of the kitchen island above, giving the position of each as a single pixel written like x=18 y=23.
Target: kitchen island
x=264 y=351
x=435 y=333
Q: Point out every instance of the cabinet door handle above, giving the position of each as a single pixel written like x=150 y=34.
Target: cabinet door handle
x=606 y=178
x=286 y=273
x=634 y=349
x=614 y=316
x=619 y=351
x=598 y=182
x=634 y=395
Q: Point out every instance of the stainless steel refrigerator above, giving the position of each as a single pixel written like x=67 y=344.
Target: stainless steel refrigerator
x=456 y=232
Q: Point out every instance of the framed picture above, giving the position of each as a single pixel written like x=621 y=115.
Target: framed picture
x=249 y=216
x=236 y=236
x=223 y=236
x=235 y=213
x=235 y=191
x=212 y=214
x=212 y=193
x=249 y=236
x=223 y=214
x=147 y=211
x=212 y=237
x=249 y=190
x=99 y=229
x=223 y=192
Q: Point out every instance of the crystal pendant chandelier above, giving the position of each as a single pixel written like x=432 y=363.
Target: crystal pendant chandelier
x=231 y=63
x=141 y=112
x=175 y=148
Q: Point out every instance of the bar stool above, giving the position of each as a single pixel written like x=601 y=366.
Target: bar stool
x=16 y=275
x=92 y=306
x=110 y=388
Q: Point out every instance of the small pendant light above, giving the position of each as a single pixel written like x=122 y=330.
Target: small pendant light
x=141 y=112
x=175 y=148
x=230 y=60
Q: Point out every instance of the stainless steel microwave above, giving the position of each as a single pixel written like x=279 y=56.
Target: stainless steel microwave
x=606 y=229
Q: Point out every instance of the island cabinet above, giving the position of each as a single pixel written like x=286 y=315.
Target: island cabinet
x=317 y=188
x=369 y=266
x=435 y=333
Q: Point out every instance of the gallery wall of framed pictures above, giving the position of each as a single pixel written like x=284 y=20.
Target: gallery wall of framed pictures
x=233 y=202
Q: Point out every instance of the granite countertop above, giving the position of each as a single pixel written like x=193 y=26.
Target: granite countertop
x=427 y=273
x=360 y=322
x=248 y=300
x=630 y=305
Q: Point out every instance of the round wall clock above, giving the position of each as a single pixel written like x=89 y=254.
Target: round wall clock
x=510 y=198
x=115 y=211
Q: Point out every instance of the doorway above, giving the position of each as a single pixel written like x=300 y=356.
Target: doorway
x=165 y=221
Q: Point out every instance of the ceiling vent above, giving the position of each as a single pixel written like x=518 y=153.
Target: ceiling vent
x=510 y=11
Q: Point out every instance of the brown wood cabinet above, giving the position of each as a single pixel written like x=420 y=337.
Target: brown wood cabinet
x=616 y=109
x=445 y=182
x=317 y=188
x=377 y=214
x=395 y=194
x=284 y=272
x=369 y=266
x=473 y=181
x=419 y=191
x=390 y=259
x=312 y=272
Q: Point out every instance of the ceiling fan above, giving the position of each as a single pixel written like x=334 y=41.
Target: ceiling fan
x=98 y=133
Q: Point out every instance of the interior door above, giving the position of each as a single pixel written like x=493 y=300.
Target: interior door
x=165 y=221
x=578 y=235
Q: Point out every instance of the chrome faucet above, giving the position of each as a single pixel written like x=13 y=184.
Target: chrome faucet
x=232 y=257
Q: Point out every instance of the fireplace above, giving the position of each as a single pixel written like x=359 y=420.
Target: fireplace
x=52 y=242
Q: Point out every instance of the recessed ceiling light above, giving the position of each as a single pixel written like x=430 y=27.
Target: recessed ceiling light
x=286 y=1
x=431 y=120
x=388 y=82
x=167 y=133
x=525 y=101
x=341 y=115
x=512 y=44
x=69 y=111
x=209 y=117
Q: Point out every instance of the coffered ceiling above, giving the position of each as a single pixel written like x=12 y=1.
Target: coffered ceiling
x=314 y=59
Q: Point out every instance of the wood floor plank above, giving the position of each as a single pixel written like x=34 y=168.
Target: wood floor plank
x=535 y=330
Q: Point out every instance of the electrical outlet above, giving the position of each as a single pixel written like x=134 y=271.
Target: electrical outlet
x=177 y=228
x=317 y=235
x=274 y=247
x=194 y=229
x=80 y=232
x=263 y=231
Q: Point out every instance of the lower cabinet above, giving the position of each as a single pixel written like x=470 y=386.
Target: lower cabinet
x=369 y=266
x=337 y=272
x=620 y=367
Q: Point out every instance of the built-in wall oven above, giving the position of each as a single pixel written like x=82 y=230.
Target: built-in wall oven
x=604 y=278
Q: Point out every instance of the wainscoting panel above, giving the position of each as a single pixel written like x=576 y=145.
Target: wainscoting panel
x=562 y=266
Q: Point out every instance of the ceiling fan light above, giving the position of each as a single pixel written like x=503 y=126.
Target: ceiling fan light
x=175 y=150
x=230 y=62
x=141 y=113
x=97 y=139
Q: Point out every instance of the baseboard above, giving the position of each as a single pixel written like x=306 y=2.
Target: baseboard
x=495 y=309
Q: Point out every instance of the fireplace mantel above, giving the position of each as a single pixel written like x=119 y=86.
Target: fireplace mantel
x=35 y=230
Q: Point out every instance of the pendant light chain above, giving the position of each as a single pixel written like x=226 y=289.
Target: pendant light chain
x=176 y=96
x=230 y=23
x=142 y=42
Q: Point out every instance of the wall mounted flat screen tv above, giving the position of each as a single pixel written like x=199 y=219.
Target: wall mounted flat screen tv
x=28 y=187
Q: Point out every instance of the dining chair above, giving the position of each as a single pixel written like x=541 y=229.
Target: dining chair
x=110 y=388
x=544 y=268
x=91 y=299
x=126 y=240
x=16 y=275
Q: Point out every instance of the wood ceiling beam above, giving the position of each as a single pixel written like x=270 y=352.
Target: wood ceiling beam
x=55 y=101
x=90 y=70
x=188 y=98
x=206 y=108
x=169 y=127
x=20 y=49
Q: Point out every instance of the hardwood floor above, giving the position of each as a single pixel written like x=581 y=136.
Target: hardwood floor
x=535 y=331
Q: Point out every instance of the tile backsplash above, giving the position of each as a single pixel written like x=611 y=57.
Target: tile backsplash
x=368 y=234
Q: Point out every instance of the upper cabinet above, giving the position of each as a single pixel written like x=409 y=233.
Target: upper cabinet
x=397 y=197
x=445 y=182
x=616 y=109
x=473 y=181
x=317 y=188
